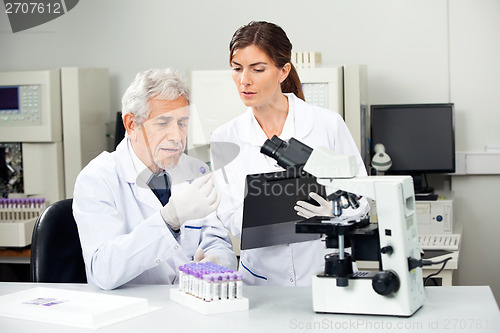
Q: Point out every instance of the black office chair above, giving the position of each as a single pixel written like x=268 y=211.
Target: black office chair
x=56 y=253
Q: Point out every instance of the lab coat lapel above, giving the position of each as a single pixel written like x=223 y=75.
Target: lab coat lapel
x=303 y=117
x=146 y=196
x=129 y=175
x=244 y=128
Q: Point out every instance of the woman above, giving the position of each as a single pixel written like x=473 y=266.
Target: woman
x=269 y=86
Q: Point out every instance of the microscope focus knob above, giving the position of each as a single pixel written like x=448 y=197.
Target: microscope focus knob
x=385 y=283
x=387 y=250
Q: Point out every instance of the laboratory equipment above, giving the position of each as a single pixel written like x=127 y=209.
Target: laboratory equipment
x=269 y=216
x=17 y=218
x=52 y=123
x=209 y=288
x=59 y=117
x=448 y=242
x=397 y=289
x=215 y=101
x=419 y=138
x=381 y=161
x=306 y=59
x=11 y=168
x=436 y=216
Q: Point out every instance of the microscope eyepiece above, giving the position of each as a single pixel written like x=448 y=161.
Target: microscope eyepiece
x=274 y=147
x=287 y=154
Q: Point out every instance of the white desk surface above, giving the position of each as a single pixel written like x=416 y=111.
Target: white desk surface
x=283 y=309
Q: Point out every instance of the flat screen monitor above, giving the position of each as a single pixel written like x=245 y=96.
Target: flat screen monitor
x=268 y=214
x=419 y=138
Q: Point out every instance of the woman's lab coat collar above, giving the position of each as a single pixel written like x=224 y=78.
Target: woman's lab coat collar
x=305 y=127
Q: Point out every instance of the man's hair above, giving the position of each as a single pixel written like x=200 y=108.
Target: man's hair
x=150 y=84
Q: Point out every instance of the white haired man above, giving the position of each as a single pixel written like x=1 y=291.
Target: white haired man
x=147 y=208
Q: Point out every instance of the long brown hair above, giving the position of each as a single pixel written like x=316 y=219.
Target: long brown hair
x=273 y=40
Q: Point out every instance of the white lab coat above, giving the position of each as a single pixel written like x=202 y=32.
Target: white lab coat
x=290 y=264
x=123 y=236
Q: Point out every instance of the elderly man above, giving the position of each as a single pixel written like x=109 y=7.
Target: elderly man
x=147 y=208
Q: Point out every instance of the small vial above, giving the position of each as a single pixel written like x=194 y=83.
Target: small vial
x=239 y=285
x=181 y=278
x=223 y=286
x=216 y=286
x=187 y=280
x=201 y=285
x=208 y=283
x=189 y=285
x=196 y=281
x=231 y=286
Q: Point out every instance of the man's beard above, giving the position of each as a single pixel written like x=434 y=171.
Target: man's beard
x=170 y=162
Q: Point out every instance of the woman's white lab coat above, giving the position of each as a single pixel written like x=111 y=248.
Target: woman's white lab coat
x=290 y=264
x=123 y=236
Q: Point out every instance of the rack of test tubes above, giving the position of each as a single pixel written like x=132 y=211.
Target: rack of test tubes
x=209 y=288
x=17 y=218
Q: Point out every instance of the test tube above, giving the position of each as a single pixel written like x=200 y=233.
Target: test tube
x=223 y=286
x=232 y=286
x=201 y=285
x=208 y=282
x=239 y=285
x=190 y=281
x=216 y=286
x=181 y=278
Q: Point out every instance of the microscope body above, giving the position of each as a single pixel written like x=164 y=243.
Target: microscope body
x=394 y=290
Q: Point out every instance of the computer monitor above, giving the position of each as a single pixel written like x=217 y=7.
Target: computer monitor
x=419 y=138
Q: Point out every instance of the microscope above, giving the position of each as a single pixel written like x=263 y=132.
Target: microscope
x=397 y=288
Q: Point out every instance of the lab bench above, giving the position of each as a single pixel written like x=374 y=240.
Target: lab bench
x=281 y=309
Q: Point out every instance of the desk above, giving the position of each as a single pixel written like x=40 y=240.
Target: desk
x=15 y=255
x=283 y=309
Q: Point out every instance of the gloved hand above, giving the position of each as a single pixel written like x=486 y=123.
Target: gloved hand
x=308 y=210
x=194 y=201
x=200 y=256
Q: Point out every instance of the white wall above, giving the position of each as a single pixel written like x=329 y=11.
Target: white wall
x=417 y=51
x=396 y=39
x=475 y=87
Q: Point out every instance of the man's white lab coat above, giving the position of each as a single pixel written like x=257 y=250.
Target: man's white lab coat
x=123 y=236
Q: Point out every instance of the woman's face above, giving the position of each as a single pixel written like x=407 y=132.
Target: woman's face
x=257 y=78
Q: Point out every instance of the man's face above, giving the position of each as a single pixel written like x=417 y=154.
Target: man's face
x=161 y=139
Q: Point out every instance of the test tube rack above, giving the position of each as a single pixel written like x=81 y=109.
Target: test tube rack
x=17 y=219
x=209 y=289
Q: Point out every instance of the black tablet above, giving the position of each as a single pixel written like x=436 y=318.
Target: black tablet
x=268 y=214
